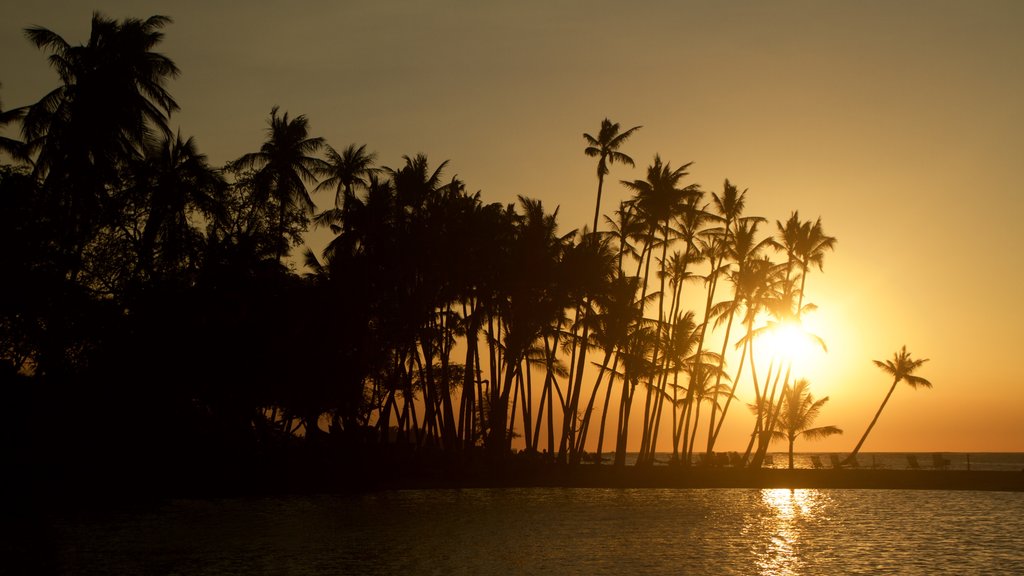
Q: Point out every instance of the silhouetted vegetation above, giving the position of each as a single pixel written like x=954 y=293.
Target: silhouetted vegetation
x=153 y=325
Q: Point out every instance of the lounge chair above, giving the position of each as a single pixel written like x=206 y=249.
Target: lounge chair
x=912 y=462
x=939 y=462
x=735 y=459
x=816 y=461
x=768 y=461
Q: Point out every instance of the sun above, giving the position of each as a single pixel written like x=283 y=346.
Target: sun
x=790 y=342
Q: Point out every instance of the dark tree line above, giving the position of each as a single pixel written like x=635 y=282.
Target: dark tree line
x=149 y=311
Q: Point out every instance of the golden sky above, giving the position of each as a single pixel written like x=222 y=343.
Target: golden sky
x=900 y=124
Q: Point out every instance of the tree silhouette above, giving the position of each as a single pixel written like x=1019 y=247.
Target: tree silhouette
x=901 y=368
x=346 y=171
x=799 y=411
x=112 y=100
x=171 y=182
x=283 y=166
x=606 y=148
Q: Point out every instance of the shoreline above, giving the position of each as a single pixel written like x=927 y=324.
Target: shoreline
x=592 y=476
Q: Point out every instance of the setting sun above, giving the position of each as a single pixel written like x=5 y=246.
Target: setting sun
x=791 y=343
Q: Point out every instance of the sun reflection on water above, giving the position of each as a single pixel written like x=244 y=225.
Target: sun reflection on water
x=786 y=513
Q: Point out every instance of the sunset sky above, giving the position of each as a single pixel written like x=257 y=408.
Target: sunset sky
x=900 y=124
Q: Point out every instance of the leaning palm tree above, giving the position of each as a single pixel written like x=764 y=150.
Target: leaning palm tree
x=901 y=367
x=799 y=411
x=606 y=148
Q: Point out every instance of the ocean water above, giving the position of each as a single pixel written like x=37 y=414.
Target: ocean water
x=1006 y=461
x=556 y=531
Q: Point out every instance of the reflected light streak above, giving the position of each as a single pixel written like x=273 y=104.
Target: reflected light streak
x=786 y=511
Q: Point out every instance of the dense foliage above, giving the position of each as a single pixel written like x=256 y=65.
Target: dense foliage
x=150 y=320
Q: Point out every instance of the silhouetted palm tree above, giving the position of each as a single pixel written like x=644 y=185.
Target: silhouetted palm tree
x=658 y=200
x=346 y=171
x=606 y=148
x=799 y=411
x=805 y=244
x=112 y=94
x=172 y=181
x=111 y=101
x=744 y=252
x=284 y=165
x=901 y=368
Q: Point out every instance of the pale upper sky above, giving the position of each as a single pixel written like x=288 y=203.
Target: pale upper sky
x=900 y=124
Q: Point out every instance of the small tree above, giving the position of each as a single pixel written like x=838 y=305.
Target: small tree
x=799 y=411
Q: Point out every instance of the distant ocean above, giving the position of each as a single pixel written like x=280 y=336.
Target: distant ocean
x=1009 y=461
x=902 y=460
x=544 y=531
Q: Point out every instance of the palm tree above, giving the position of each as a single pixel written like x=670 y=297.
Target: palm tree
x=112 y=94
x=658 y=199
x=111 y=100
x=799 y=411
x=901 y=367
x=805 y=245
x=172 y=180
x=606 y=148
x=284 y=165
x=346 y=171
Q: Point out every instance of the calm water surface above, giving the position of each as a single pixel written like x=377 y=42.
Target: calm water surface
x=560 y=531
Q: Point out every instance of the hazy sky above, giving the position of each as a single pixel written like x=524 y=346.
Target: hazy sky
x=900 y=124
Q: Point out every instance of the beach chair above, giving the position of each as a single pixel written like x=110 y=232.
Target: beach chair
x=837 y=462
x=735 y=459
x=912 y=462
x=768 y=460
x=939 y=462
x=816 y=461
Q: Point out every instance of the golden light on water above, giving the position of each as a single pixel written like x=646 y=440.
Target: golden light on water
x=786 y=513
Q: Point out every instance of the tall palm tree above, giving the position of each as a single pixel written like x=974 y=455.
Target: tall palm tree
x=799 y=411
x=284 y=165
x=112 y=96
x=901 y=368
x=805 y=244
x=606 y=148
x=658 y=199
x=112 y=99
x=744 y=251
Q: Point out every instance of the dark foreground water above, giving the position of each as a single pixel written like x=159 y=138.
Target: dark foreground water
x=558 y=531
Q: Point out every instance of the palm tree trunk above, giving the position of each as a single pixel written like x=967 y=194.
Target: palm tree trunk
x=856 y=449
x=585 y=426
x=607 y=402
x=732 y=390
x=718 y=381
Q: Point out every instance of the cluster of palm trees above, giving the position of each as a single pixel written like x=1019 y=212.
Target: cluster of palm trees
x=432 y=320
